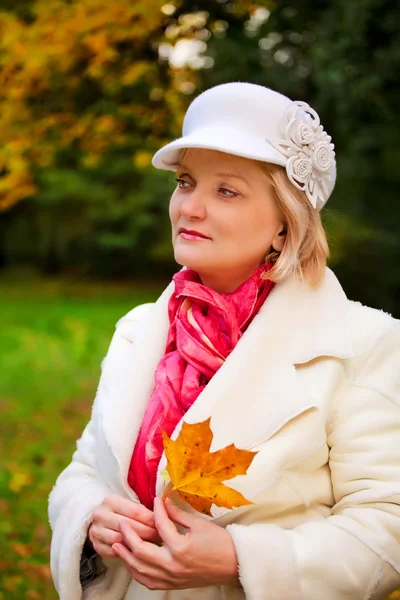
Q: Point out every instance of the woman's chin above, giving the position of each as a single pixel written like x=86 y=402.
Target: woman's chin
x=191 y=260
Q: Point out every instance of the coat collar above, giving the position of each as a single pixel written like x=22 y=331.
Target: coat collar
x=257 y=384
x=305 y=322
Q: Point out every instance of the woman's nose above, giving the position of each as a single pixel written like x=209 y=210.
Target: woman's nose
x=193 y=206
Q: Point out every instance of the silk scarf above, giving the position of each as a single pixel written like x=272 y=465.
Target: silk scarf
x=205 y=327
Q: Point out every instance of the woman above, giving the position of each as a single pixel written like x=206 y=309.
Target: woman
x=256 y=333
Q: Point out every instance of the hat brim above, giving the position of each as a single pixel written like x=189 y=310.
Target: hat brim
x=221 y=139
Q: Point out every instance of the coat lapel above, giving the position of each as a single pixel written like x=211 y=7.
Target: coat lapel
x=128 y=391
x=257 y=390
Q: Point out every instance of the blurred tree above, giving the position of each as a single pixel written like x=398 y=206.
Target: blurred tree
x=81 y=112
x=70 y=94
x=23 y=8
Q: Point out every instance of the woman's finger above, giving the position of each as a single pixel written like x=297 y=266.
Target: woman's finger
x=106 y=536
x=130 y=509
x=165 y=527
x=131 y=538
x=103 y=549
x=109 y=536
x=141 y=568
x=182 y=517
x=152 y=584
x=149 y=534
x=104 y=516
x=145 y=551
x=105 y=519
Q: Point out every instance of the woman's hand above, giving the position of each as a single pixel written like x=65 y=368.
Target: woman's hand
x=104 y=531
x=203 y=556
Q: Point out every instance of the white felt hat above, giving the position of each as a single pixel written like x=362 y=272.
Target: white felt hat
x=256 y=122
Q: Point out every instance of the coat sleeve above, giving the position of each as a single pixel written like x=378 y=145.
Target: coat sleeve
x=353 y=554
x=79 y=490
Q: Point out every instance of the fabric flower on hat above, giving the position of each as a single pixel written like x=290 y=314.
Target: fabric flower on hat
x=309 y=151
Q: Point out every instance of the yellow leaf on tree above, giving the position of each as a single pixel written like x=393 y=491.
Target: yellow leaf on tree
x=197 y=474
x=18 y=481
x=142 y=159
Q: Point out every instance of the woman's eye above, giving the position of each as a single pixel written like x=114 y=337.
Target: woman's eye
x=227 y=193
x=182 y=183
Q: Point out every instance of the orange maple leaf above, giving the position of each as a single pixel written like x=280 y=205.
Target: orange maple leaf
x=197 y=474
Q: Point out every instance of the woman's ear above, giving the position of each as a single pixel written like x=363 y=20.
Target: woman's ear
x=279 y=240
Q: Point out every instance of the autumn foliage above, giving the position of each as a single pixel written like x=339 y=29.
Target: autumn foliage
x=81 y=77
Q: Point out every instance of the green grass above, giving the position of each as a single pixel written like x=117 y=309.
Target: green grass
x=53 y=337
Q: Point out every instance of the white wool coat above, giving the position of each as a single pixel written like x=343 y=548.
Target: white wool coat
x=314 y=386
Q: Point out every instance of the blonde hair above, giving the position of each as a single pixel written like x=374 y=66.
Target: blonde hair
x=306 y=249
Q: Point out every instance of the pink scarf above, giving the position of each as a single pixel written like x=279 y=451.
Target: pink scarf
x=205 y=326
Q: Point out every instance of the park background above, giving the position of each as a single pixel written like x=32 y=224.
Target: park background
x=89 y=89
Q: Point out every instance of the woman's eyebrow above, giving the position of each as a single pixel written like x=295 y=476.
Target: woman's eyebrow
x=232 y=175
x=220 y=174
x=182 y=167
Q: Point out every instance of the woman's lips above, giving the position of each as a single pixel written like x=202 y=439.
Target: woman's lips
x=192 y=236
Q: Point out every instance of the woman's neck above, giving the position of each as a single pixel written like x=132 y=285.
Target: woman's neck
x=225 y=282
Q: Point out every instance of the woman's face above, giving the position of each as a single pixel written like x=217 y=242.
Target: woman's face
x=229 y=200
